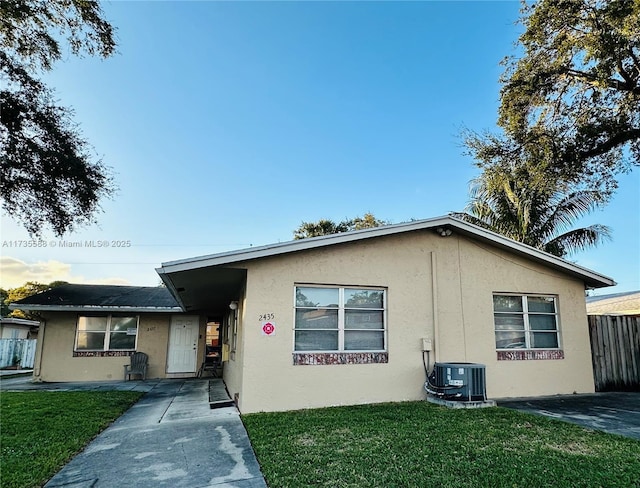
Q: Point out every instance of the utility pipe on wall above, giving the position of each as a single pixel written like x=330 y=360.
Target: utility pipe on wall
x=434 y=306
x=37 y=365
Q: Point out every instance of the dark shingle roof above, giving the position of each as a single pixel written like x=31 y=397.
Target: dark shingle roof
x=105 y=297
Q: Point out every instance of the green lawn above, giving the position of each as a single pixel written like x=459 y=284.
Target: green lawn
x=418 y=444
x=41 y=430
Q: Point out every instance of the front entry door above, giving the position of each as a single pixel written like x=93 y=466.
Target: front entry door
x=183 y=344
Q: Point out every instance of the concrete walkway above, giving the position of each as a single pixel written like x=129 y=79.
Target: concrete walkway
x=170 y=438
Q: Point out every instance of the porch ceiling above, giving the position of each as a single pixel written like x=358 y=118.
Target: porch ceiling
x=205 y=289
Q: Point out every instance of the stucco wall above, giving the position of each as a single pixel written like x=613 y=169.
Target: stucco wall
x=233 y=368
x=58 y=364
x=431 y=282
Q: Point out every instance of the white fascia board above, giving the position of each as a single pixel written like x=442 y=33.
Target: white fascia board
x=92 y=308
x=532 y=252
x=297 y=245
x=322 y=241
x=166 y=279
x=18 y=321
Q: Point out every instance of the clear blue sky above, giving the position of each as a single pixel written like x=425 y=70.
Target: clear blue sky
x=229 y=123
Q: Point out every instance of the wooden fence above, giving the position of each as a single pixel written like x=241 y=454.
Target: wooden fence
x=14 y=351
x=615 y=352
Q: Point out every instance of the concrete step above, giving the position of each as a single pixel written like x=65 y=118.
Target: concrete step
x=218 y=395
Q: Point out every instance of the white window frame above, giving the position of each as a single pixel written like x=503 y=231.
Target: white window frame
x=341 y=318
x=107 y=332
x=528 y=331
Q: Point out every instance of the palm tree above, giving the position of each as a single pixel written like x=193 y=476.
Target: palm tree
x=534 y=208
x=325 y=227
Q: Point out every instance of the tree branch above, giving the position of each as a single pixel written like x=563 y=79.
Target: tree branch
x=616 y=140
x=611 y=82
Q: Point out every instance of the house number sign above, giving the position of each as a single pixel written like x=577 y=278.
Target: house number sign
x=268 y=328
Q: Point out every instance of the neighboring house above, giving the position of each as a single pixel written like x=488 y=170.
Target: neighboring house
x=626 y=303
x=15 y=328
x=340 y=319
x=88 y=332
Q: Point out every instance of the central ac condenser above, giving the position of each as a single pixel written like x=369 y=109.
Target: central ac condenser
x=458 y=381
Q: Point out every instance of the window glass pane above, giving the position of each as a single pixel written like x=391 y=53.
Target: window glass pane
x=542 y=322
x=541 y=304
x=317 y=297
x=316 y=318
x=90 y=341
x=507 y=303
x=509 y=321
x=360 y=340
x=123 y=323
x=92 y=323
x=363 y=319
x=354 y=298
x=122 y=340
x=316 y=340
x=544 y=340
x=510 y=340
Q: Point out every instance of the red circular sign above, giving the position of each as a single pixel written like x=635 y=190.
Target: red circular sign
x=268 y=328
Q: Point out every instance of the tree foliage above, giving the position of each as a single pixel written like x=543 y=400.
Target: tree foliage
x=571 y=102
x=325 y=227
x=4 y=308
x=49 y=176
x=24 y=291
x=531 y=208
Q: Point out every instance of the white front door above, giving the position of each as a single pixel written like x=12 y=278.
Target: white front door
x=183 y=344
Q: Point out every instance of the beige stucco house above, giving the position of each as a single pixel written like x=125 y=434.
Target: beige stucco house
x=343 y=319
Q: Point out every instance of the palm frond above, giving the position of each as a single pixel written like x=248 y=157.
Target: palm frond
x=521 y=202
x=578 y=240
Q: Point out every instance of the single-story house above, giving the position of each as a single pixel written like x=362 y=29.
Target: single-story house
x=339 y=319
x=625 y=303
x=17 y=328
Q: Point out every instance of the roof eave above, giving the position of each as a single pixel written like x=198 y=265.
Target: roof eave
x=91 y=308
x=171 y=287
x=591 y=278
x=294 y=246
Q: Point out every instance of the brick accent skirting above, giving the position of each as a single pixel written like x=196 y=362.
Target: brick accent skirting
x=325 y=358
x=102 y=354
x=524 y=355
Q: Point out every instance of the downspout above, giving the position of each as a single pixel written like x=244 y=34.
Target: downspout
x=39 y=347
x=434 y=306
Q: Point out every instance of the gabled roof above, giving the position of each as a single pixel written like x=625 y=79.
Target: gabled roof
x=625 y=303
x=591 y=278
x=101 y=298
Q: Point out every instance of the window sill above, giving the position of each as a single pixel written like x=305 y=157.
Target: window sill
x=530 y=354
x=332 y=358
x=102 y=354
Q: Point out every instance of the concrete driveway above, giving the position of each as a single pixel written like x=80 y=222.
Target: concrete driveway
x=616 y=413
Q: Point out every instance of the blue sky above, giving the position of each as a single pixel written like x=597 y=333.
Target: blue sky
x=229 y=123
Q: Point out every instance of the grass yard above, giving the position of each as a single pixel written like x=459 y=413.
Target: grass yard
x=418 y=444
x=41 y=430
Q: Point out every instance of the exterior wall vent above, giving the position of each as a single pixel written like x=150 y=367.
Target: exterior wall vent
x=458 y=381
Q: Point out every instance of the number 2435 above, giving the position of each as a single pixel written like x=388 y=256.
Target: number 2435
x=267 y=316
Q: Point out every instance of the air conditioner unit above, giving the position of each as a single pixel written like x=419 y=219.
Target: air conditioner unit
x=458 y=381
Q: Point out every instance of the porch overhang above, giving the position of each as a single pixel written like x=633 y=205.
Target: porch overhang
x=208 y=289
